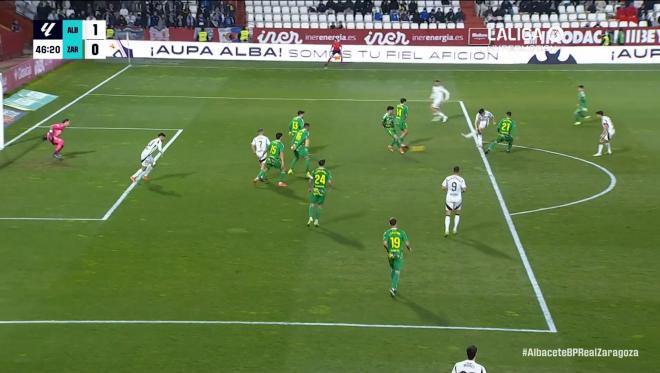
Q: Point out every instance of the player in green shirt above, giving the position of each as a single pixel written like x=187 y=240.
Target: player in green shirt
x=300 y=149
x=581 y=111
x=401 y=121
x=393 y=240
x=389 y=122
x=274 y=159
x=319 y=182
x=506 y=130
x=296 y=124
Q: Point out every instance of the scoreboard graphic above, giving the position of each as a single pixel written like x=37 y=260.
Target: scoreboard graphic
x=68 y=39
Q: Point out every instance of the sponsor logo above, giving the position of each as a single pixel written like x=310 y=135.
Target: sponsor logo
x=628 y=54
x=281 y=37
x=23 y=72
x=386 y=38
x=526 y=35
x=552 y=59
x=39 y=67
x=47 y=29
x=120 y=50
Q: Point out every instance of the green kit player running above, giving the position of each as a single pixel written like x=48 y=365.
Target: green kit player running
x=390 y=124
x=506 y=130
x=581 y=111
x=393 y=240
x=274 y=159
x=401 y=121
x=300 y=149
x=296 y=124
x=319 y=183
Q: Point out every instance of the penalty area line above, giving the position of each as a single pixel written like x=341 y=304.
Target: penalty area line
x=232 y=98
x=54 y=219
x=66 y=106
x=119 y=128
x=512 y=228
x=132 y=186
x=267 y=323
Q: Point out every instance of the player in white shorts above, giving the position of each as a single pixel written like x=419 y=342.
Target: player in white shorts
x=607 y=134
x=260 y=145
x=469 y=365
x=455 y=186
x=147 y=159
x=481 y=122
x=438 y=95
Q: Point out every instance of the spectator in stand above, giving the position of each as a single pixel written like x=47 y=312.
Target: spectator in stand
x=600 y=5
x=412 y=6
x=459 y=16
x=15 y=26
x=378 y=16
x=415 y=18
x=190 y=20
x=52 y=16
x=385 y=7
x=332 y=26
x=340 y=25
x=424 y=15
x=481 y=8
x=432 y=16
x=440 y=16
x=121 y=22
x=321 y=8
x=395 y=17
x=405 y=17
x=450 y=16
x=330 y=6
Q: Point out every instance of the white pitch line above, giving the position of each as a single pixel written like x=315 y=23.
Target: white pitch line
x=257 y=98
x=119 y=128
x=512 y=228
x=66 y=106
x=597 y=195
x=56 y=219
x=268 y=323
x=435 y=71
x=133 y=185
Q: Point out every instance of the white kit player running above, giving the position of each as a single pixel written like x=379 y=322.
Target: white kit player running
x=607 y=134
x=260 y=145
x=469 y=365
x=438 y=95
x=455 y=186
x=147 y=160
x=481 y=122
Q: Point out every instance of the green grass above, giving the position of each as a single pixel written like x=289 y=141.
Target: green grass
x=199 y=242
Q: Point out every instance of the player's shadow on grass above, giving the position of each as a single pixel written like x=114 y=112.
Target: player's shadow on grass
x=345 y=217
x=20 y=155
x=340 y=238
x=317 y=148
x=76 y=154
x=179 y=175
x=420 y=141
x=286 y=191
x=160 y=190
x=484 y=248
x=424 y=314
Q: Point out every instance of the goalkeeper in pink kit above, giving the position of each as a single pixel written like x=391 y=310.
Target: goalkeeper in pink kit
x=53 y=135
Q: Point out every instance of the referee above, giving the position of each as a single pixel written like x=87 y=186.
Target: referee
x=469 y=365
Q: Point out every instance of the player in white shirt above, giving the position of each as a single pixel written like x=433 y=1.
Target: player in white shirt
x=260 y=145
x=607 y=134
x=469 y=365
x=438 y=95
x=455 y=186
x=147 y=159
x=481 y=122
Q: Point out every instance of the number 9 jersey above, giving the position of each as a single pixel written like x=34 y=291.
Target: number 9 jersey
x=455 y=186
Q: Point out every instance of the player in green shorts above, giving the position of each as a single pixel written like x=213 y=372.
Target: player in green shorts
x=389 y=123
x=401 y=122
x=274 y=159
x=506 y=130
x=581 y=112
x=319 y=182
x=296 y=124
x=393 y=240
x=300 y=149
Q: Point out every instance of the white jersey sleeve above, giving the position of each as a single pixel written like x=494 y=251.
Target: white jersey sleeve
x=439 y=93
x=608 y=125
x=151 y=147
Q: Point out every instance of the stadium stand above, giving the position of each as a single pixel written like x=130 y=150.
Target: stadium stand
x=573 y=14
x=357 y=14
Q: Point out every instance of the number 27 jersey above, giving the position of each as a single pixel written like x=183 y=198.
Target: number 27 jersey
x=454 y=185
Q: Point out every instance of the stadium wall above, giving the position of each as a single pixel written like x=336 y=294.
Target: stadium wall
x=25 y=72
x=385 y=54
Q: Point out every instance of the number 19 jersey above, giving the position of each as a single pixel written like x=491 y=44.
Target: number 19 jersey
x=396 y=239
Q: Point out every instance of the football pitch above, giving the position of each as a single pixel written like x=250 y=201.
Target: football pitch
x=199 y=270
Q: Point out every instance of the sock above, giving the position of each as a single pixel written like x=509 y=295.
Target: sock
x=261 y=175
x=578 y=115
x=282 y=176
x=600 y=149
x=492 y=145
x=311 y=211
x=318 y=212
x=307 y=164
x=478 y=137
x=609 y=149
x=442 y=115
x=147 y=171
x=58 y=148
x=137 y=173
x=395 y=279
x=510 y=145
x=447 y=222
x=457 y=219
x=293 y=163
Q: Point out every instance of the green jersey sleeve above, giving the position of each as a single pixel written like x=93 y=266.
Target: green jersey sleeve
x=388 y=121
x=300 y=138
